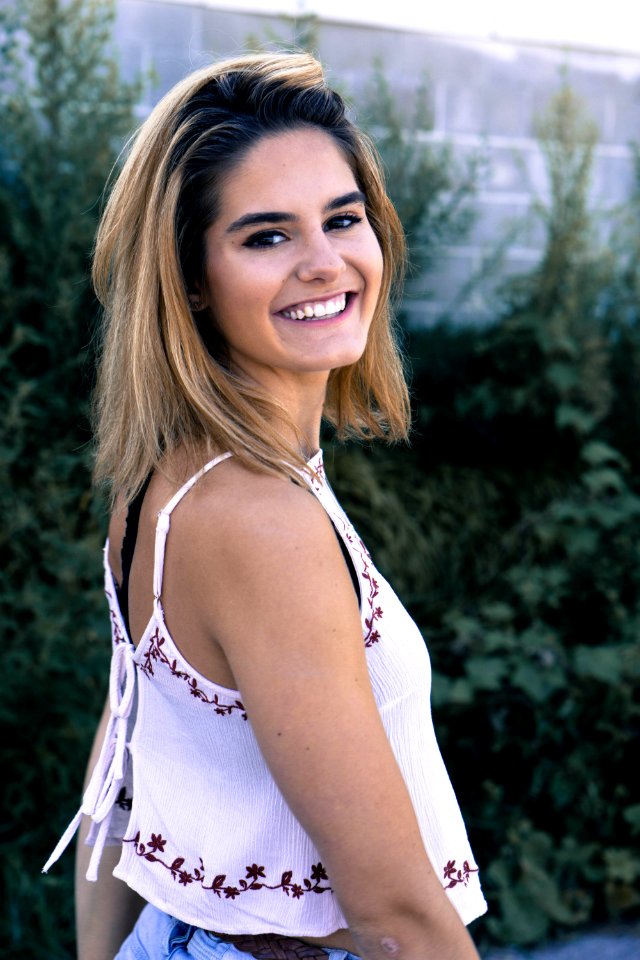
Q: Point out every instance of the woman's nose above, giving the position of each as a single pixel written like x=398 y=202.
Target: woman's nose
x=319 y=259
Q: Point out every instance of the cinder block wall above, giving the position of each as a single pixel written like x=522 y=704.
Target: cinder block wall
x=486 y=95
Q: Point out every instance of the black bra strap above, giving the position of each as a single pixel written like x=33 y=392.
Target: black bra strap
x=128 y=547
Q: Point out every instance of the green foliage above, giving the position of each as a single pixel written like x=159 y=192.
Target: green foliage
x=620 y=309
x=513 y=531
x=431 y=189
x=63 y=115
x=301 y=34
x=550 y=320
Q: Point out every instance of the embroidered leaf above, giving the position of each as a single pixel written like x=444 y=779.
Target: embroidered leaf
x=185 y=877
x=123 y=801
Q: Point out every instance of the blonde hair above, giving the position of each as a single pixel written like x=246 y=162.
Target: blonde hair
x=163 y=383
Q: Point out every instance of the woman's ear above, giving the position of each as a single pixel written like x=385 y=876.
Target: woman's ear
x=196 y=302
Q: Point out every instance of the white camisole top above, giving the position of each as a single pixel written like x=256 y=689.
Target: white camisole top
x=206 y=834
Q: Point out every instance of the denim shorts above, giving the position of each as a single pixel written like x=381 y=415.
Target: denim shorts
x=157 y=936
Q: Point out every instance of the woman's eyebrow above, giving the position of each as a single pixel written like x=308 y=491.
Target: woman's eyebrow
x=276 y=216
x=356 y=196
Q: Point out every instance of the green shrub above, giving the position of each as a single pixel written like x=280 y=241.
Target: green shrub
x=512 y=529
x=63 y=115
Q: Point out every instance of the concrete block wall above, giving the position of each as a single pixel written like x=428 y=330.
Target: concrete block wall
x=486 y=95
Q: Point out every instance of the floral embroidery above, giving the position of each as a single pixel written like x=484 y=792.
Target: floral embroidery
x=254 y=880
x=116 y=632
x=458 y=876
x=155 y=654
x=122 y=800
x=317 y=478
x=372 y=635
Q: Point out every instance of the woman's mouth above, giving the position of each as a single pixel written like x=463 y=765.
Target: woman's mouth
x=317 y=309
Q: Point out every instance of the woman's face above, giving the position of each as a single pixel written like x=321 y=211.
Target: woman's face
x=293 y=267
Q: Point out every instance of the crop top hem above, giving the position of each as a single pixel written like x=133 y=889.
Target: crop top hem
x=470 y=911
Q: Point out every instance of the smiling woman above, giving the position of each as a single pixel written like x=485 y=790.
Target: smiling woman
x=265 y=779
x=293 y=292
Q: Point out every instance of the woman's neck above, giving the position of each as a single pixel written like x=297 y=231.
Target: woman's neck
x=304 y=414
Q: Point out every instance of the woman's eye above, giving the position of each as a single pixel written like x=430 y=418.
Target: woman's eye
x=266 y=238
x=342 y=221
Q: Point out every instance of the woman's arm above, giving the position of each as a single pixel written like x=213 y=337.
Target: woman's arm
x=107 y=910
x=269 y=575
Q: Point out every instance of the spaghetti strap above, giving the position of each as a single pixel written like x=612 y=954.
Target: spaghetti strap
x=164 y=522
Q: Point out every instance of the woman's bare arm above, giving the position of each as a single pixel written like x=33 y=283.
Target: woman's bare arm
x=269 y=575
x=107 y=910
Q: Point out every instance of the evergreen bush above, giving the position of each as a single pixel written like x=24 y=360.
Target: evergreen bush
x=63 y=116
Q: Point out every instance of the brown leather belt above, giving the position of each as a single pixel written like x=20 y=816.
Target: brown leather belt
x=273 y=946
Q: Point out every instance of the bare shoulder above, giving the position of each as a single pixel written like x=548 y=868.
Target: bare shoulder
x=236 y=510
x=258 y=557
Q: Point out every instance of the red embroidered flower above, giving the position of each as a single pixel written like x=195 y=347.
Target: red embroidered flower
x=198 y=874
x=157 y=843
x=371 y=636
x=455 y=876
x=155 y=653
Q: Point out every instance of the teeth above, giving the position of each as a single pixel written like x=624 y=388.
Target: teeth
x=309 y=311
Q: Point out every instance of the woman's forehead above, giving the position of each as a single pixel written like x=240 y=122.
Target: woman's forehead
x=305 y=165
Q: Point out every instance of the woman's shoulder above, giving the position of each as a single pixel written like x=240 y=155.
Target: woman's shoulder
x=240 y=504
x=232 y=509
x=240 y=536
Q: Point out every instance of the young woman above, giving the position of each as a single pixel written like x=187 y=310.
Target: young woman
x=265 y=777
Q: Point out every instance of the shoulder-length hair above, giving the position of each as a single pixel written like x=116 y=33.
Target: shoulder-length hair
x=164 y=380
